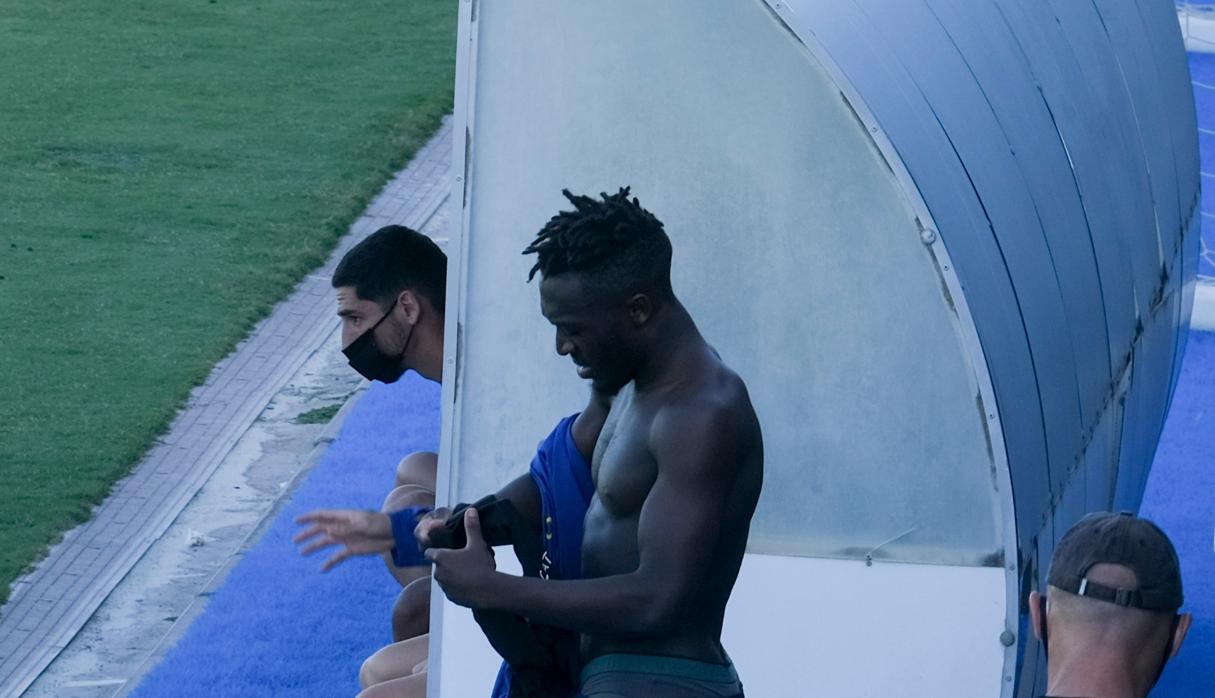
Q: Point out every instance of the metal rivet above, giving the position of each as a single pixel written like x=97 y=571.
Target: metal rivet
x=1007 y=638
x=928 y=236
x=459 y=179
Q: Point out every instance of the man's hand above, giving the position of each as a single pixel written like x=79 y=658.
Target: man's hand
x=359 y=532
x=466 y=574
x=430 y=522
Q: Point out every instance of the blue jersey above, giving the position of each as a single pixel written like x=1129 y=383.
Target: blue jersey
x=563 y=476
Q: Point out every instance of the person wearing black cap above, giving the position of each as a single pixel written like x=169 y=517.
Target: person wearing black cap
x=1109 y=621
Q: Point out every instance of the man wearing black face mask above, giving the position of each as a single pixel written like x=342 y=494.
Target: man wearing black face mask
x=1110 y=621
x=391 y=289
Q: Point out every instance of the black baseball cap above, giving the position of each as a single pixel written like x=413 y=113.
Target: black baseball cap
x=1119 y=539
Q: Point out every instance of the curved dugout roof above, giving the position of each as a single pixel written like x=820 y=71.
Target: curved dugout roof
x=958 y=294
x=1055 y=146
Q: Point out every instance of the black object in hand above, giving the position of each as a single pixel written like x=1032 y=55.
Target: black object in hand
x=497 y=516
x=544 y=660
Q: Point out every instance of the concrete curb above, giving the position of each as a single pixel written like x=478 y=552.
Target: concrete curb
x=199 y=604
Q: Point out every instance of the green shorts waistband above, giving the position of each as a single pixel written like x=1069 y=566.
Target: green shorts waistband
x=659 y=665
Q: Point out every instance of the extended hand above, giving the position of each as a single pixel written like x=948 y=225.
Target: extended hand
x=466 y=574
x=358 y=532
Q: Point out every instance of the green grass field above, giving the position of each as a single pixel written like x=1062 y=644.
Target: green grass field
x=168 y=170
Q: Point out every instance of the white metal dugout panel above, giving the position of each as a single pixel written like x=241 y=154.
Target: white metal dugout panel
x=900 y=224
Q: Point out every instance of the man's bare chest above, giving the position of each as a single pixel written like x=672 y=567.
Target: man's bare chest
x=626 y=474
x=623 y=468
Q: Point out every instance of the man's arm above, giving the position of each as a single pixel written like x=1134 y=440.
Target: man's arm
x=522 y=492
x=697 y=450
x=366 y=532
x=404 y=533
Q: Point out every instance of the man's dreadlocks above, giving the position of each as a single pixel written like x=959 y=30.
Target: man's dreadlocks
x=612 y=239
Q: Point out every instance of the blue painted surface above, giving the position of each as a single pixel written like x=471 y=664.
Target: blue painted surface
x=1202 y=71
x=1180 y=495
x=278 y=626
x=1181 y=498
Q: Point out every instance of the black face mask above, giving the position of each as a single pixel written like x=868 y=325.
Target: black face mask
x=370 y=361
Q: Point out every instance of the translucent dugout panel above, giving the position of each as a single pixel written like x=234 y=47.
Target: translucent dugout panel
x=795 y=250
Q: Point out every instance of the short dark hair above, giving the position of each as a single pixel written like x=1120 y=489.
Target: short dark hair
x=612 y=239
x=394 y=259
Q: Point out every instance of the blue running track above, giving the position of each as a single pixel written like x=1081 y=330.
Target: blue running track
x=1202 y=72
x=1181 y=498
x=277 y=626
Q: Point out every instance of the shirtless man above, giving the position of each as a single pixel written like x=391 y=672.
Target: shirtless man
x=677 y=469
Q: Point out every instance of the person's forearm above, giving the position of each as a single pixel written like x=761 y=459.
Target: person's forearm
x=524 y=494
x=621 y=605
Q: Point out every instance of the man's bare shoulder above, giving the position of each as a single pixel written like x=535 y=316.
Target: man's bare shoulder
x=716 y=389
x=712 y=411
